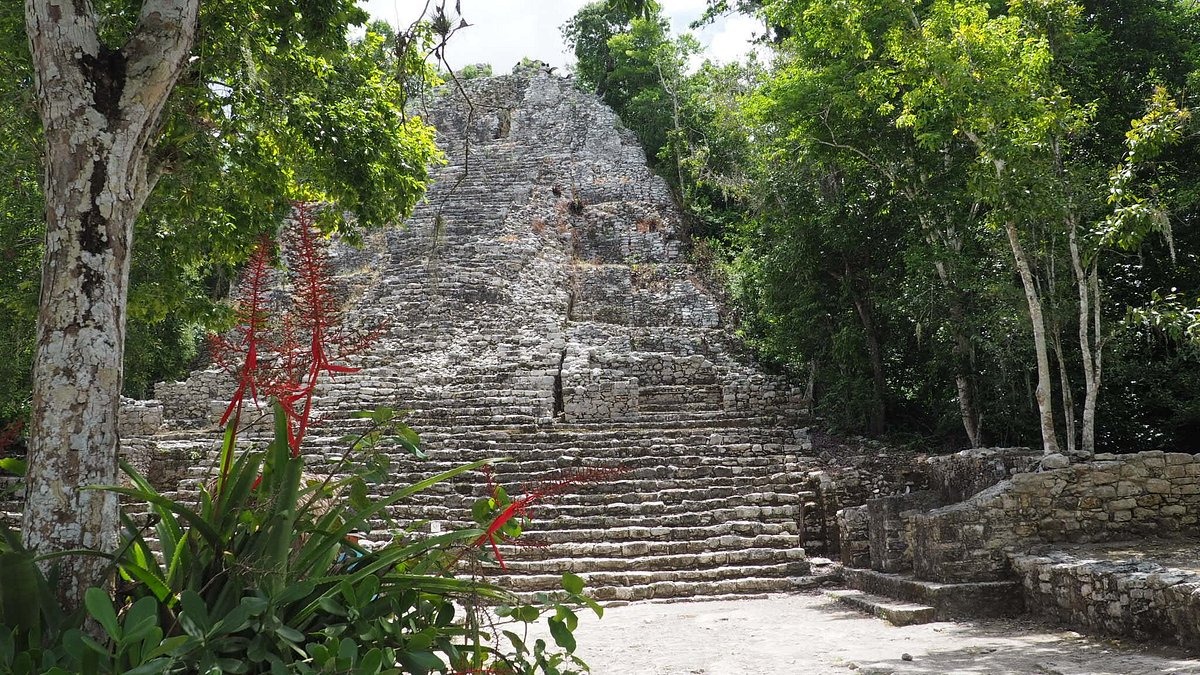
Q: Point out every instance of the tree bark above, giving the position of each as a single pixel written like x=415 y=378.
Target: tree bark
x=1064 y=387
x=964 y=377
x=1042 y=393
x=1087 y=282
x=878 y=419
x=100 y=110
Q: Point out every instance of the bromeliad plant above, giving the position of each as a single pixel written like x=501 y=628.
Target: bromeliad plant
x=262 y=573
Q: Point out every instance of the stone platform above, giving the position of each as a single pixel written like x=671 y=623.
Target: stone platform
x=1148 y=589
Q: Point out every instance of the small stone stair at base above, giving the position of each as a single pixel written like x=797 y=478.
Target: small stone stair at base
x=976 y=600
x=896 y=612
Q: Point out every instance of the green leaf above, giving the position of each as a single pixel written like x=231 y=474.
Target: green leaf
x=194 y=617
x=372 y=662
x=331 y=605
x=562 y=634
x=150 y=667
x=594 y=606
x=420 y=663
x=572 y=583
x=517 y=643
x=564 y=614
x=290 y=634
x=99 y=605
x=174 y=646
x=359 y=497
x=14 y=466
x=140 y=619
x=481 y=509
x=20 y=601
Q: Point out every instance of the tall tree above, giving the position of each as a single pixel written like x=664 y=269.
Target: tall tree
x=272 y=104
x=100 y=109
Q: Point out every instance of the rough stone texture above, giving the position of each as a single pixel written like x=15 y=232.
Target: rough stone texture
x=988 y=599
x=538 y=306
x=851 y=474
x=1111 y=498
x=887 y=536
x=966 y=473
x=1115 y=592
x=855 y=537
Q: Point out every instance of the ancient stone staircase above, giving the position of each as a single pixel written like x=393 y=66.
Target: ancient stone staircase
x=538 y=306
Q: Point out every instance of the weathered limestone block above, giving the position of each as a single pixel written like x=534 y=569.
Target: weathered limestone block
x=139 y=418
x=963 y=474
x=197 y=401
x=854 y=536
x=886 y=518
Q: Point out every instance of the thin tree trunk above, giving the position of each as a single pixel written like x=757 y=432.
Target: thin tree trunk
x=1087 y=282
x=100 y=110
x=1068 y=399
x=878 y=420
x=1042 y=393
x=964 y=379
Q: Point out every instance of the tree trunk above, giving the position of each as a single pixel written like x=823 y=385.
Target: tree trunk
x=1042 y=393
x=1087 y=282
x=100 y=110
x=878 y=420
x=1068 y=399
x=964 y=377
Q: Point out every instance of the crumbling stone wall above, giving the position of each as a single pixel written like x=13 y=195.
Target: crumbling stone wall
x=1138 y=598
x=1111 y=498
x=967 y=473
x=876 y=533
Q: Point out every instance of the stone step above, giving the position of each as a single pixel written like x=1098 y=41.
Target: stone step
x=543 y=519
x=521 y=562
x=980 y=600
x=596 y=579
x=652 y=508
x=635 y=548
x=896 y=612
x=675 y=591
x=632 y=533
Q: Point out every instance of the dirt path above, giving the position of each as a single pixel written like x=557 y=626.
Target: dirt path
x=808 y=634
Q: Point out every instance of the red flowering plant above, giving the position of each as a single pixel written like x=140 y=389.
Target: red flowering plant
x=266 y=571
x=281 y=352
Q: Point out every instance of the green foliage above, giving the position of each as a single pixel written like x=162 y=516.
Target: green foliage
x=634 y=66
x=475 y=71
x=278 y=104
x=856 y=191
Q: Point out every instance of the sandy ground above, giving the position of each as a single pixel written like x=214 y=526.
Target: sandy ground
x=809 y=634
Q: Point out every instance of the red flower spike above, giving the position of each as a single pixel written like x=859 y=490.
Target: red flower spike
x=284 y=360
x=246 y=340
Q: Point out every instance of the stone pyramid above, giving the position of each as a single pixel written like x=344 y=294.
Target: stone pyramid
x=540 y=307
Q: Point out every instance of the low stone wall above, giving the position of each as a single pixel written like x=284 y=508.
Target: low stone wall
x=139 y=418
x=851 y=477
x=196 y=401
x=1141 y=599
x=967 y=473
x=1108 y=499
